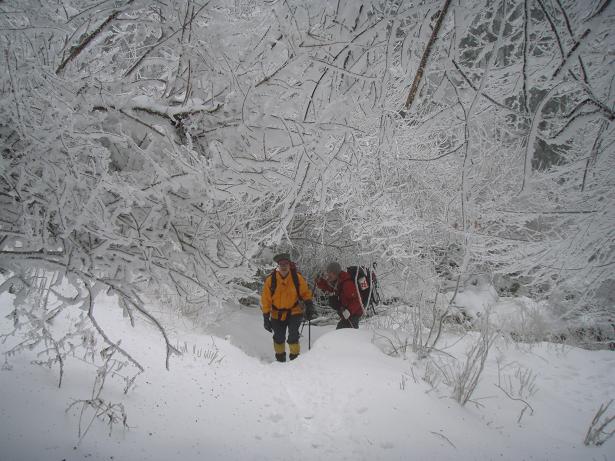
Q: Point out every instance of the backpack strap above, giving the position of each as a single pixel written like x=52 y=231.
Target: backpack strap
x=274 y=282
x=295 y=277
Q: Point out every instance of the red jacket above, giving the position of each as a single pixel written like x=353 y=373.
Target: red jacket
x=346 y=291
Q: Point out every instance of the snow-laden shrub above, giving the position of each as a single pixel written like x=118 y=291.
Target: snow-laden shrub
x=524 y=319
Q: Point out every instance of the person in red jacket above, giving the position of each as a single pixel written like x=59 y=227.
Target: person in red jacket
x=347 y=301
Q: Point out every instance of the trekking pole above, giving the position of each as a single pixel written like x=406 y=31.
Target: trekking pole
x=309 y=322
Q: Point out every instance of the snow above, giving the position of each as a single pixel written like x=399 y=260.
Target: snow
x=476 y=299
x=225 y=399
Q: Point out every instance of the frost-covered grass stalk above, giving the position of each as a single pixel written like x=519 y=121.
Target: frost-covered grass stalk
x=598 y=431
x=99 y=408
x=463 y=376
x=519 y=387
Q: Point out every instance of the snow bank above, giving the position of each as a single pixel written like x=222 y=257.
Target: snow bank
x=476 y=299
x=344 y=399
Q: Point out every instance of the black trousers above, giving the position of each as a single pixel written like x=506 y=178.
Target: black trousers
x=292 y=323
x=351 y=322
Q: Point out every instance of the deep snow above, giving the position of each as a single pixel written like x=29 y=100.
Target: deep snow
x=344 y=399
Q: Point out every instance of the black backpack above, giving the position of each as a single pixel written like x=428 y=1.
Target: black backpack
x=364 y=279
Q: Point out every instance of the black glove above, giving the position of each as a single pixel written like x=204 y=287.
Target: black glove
x=310 y=312
x=334 y=302
x=267 y=323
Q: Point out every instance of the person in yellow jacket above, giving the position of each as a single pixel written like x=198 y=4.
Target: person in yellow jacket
x=285 y=299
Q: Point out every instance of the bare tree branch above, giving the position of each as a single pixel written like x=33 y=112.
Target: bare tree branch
x=423 y=64
x=87 y=40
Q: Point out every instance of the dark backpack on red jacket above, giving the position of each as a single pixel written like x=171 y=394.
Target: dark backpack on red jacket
x=364 y=279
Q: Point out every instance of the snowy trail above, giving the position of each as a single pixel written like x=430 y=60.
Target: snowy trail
x=242 y=327
x=344 y=399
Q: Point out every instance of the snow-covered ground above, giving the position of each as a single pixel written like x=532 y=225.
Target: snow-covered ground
x=224 y=399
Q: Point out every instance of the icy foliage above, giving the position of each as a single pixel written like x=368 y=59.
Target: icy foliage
x=162 y=146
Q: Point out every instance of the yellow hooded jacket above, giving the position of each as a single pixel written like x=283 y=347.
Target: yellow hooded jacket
x=284 y=298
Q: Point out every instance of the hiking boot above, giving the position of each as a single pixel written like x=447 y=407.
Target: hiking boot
x=281 y=357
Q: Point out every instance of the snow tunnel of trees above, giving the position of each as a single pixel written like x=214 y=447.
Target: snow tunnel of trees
x=151 y=147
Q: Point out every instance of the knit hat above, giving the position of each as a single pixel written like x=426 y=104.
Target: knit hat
x=281 y=257
x=334 y=267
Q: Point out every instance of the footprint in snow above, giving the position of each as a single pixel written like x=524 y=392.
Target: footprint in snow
x=275 y=418
x=386 y=445
x=362 y=410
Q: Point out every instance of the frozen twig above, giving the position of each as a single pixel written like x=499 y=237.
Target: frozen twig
x=423 y=64
x=444 y=437
x=101 y=332
x=87 y=40
x=518 y=400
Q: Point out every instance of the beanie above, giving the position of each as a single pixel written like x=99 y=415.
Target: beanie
x=334 y=267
